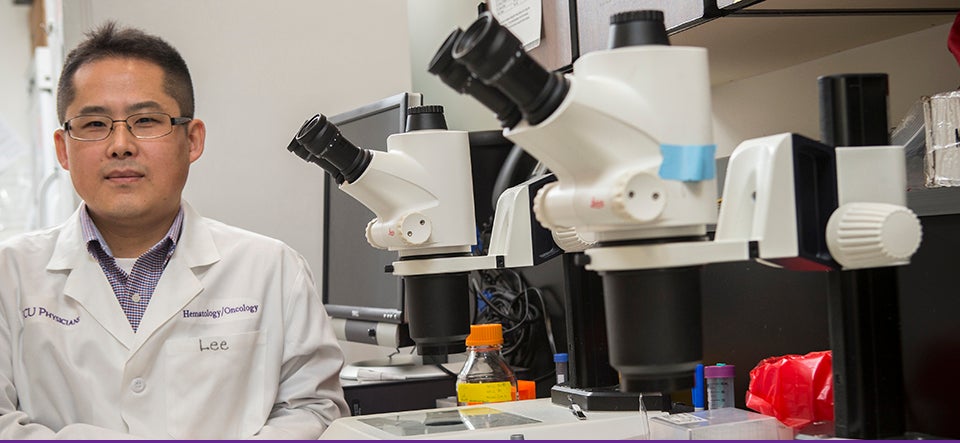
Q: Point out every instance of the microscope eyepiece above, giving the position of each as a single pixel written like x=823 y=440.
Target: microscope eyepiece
x=458 y=77
x=425 y=117
x=322 y=139
x=298 y=149
x=492 y=53
x=635 y=28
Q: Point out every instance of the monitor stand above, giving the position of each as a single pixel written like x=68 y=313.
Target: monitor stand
x=399 y=367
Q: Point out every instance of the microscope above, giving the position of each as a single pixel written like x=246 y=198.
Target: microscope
x=629 y=137
x=421 y=193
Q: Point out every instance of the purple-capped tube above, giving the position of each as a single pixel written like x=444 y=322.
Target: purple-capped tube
x=719 y=380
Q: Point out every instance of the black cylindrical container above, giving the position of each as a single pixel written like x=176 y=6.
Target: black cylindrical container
x=420 y=118
x=438 y=311
x=634 y=28
x=654 y=327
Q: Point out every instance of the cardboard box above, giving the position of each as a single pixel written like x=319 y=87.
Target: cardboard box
x=37 y=25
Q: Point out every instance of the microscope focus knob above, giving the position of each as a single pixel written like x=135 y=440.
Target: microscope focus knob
x=540 y=208
x=411 y=229
x=639 y=197
x=368 y=233
x=414 y=228
x=570 y=240
x=870 y=235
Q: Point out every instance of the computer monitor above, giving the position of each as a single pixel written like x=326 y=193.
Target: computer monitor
x=365 y=302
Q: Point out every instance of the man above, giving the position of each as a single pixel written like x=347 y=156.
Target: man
x=138 y=317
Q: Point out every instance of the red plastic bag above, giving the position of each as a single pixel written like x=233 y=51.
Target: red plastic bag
x=953 y=38
x=796 y=389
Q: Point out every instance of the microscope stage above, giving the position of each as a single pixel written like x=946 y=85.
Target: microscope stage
x=538 y=419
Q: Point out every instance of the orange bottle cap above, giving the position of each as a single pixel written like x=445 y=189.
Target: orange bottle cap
x=485 y=335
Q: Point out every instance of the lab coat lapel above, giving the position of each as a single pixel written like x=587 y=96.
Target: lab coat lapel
x=179 y=285
x=86 y=282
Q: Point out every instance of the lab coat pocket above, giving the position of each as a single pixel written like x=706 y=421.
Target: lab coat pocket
x=222 y=376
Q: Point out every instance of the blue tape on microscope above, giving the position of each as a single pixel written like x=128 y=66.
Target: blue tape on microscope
x=688 y=163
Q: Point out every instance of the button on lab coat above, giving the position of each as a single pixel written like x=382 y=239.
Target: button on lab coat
x=234 y=343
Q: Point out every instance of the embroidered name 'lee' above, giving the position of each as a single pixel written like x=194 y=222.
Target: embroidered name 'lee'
x=214 y=345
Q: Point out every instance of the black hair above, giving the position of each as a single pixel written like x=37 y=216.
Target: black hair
x=111 y=40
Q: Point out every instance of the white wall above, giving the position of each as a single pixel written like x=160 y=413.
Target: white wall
x=15 y=67
x=259 y=70
x=16 y=135
x=787 y=100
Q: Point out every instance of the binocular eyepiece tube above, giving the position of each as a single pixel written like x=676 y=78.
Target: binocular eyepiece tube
x=512 y=82
x=298 y=149
x=458 y=77
x=320 y=142
x=497 y=57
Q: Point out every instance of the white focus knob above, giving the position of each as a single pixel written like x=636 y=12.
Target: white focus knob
x=540 y=209
x=639 y=197
x=570 y=240
x=871 y=235
x=414 y=228
x=368 y=232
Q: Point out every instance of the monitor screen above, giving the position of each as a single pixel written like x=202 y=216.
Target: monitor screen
x=354 y=283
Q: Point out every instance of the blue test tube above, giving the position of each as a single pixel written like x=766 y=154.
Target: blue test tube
x=697 y=391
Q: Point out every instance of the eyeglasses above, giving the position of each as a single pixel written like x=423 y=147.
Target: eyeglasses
x=91 y=128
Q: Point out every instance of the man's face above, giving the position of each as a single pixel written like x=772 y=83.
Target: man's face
x=122 y=178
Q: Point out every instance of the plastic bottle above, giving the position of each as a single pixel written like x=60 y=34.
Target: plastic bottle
x=719 y=386
x=560 y=360
x=486 y=377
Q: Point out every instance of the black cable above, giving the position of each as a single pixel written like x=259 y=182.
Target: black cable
x=492 y=305
x=546 y=320
x=546 y=376
x=447 y=371
x=507 y=299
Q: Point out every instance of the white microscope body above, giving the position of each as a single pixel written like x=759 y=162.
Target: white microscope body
x=607 y=142
x=421 y=191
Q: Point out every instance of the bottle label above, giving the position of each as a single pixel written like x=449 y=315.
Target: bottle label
x=475 y=393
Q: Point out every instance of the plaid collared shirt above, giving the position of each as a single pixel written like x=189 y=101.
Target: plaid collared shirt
x=133 y=291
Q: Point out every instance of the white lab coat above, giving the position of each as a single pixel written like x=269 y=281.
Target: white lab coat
x=235 y=342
